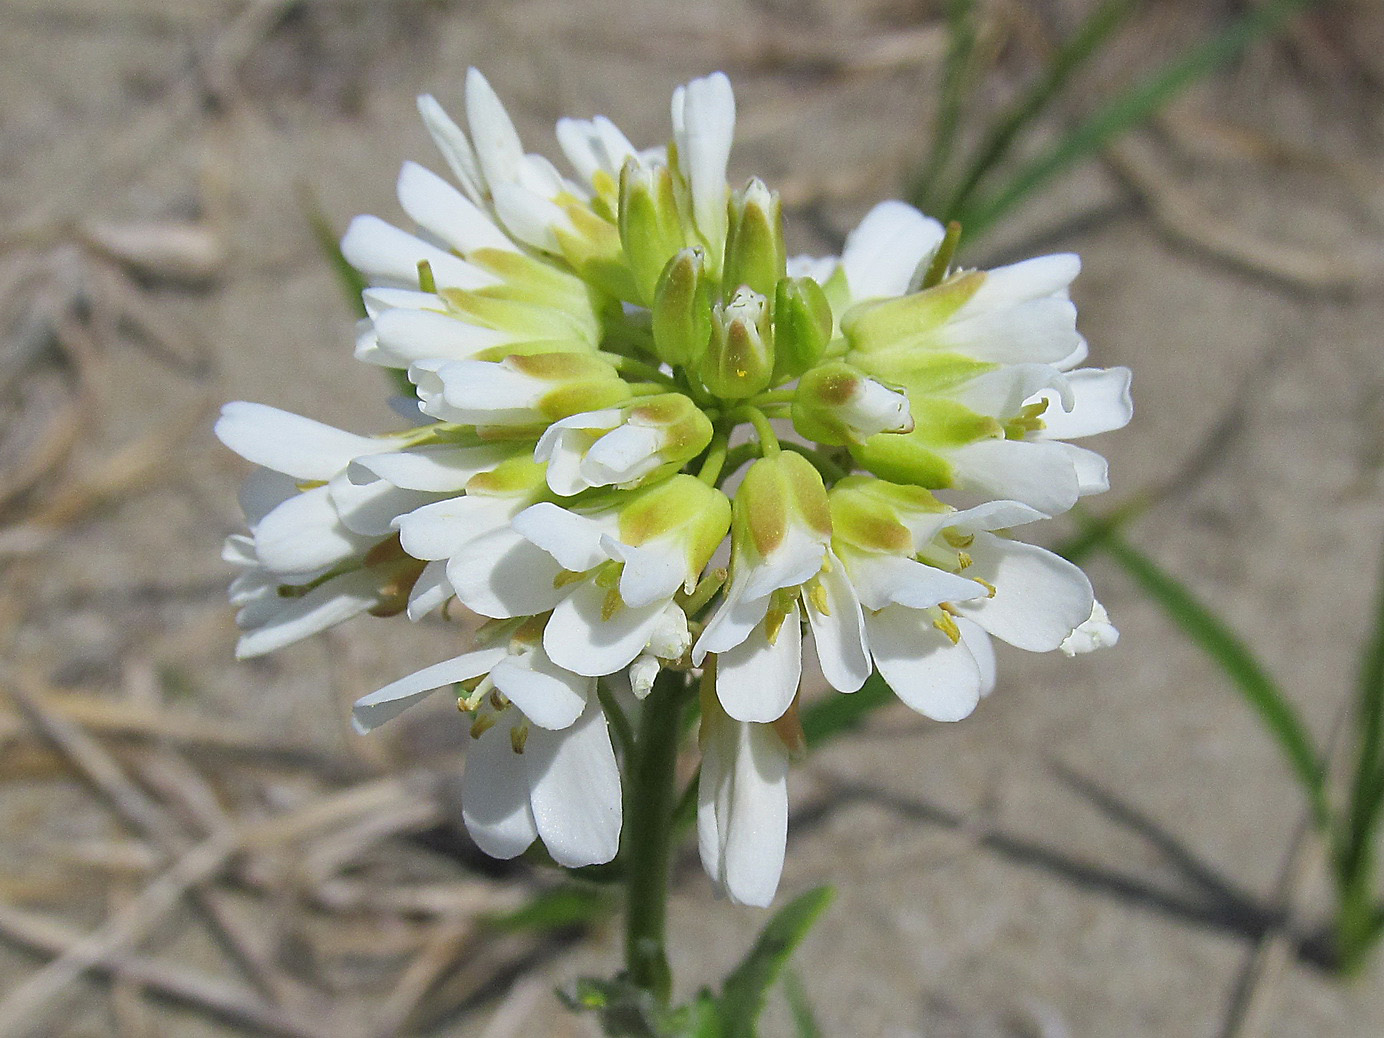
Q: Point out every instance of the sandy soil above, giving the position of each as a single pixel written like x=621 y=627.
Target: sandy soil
x=1095 y=853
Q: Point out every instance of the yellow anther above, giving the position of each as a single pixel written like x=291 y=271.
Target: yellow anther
x=948 y=608
x=947 y=626
x=990 y=588
x=311 y=484
x=566 y=577
x=518 y=736
x=482 y=725
x=608 y=575
x=826 y=563
x=957 y=539
x=773 y=623
x=499 y=700
x=613 y=603
x=818 y=595
x=963 y=559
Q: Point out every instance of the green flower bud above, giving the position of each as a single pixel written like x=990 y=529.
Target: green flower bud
x=651 y=228
x=579 y=382
x=682 y=309
x=868 y=513
x=802 y=326
x=684 y=505
x=836 y=404
x=755 y=253
x=739 y=360
x=779 y=494
x=908 y=323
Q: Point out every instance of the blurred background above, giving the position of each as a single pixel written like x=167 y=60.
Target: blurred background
x=1111 y=845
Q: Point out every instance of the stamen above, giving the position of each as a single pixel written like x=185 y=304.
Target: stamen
x=818 y=595
x=957 y=539
x=482 y=725
x=518 y=736
x=947 y=626
x=613 y=603
x=567 y=576
x=989 y=587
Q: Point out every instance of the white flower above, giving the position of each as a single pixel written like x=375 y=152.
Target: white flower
x=542 y=764
x=742 y=806
x=1096 y=632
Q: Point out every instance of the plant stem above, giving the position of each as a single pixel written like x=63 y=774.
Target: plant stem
x=648 y=830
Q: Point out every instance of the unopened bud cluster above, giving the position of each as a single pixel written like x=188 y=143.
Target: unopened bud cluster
x=595 y=356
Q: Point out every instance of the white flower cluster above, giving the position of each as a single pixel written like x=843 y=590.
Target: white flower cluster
x=596 y=357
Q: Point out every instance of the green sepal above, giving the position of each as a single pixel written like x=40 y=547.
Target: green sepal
x=739 y=360
x=755 y=253
x=908 y=322
x=651 y=228
x=682 y=309
x=802 y=327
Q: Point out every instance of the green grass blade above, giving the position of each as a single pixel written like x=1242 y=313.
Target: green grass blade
x=557 y=908
x=742 y=998
x=1131 y=108
x=961 y=43
x=1367 y=786
x=804 y=1019
x=1070 y=57
x=1225 y=647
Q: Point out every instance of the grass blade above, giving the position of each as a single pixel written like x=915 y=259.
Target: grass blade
x=836 y=714
x=1094 y=31
x=1226 y=648
x=742 y=998
x=554 y=909
x=804 y=1019
x=1131 y=108
x=961 y=34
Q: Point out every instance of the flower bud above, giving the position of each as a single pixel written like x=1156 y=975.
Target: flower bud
x=780 y=507
x=681 y=507
x=802 y=326
x=682 y=309
x=519 y=391
x=739 y=360
x=621 y=446
x=837 y=404
x=651 y=228
x=755 y=253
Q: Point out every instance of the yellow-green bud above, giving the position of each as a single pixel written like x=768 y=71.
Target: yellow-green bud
x=651 y=228
x=682 y=504
x=908 y=323
x=778 y=493
x=739 y=360
x=755 y=253
x=682 y=309
x=802 y=326
x=580 y=382
x=837 y=404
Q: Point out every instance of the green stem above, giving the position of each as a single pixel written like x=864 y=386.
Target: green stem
x=826 y=466
x=768 y=442
x=648 y=836
x=710 y=471
x=632 y=366
x=941 y=261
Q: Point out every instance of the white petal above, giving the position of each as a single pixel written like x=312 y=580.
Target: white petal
x=1007 y=389
x=434 y=468
x=653 y=571
x=406 y=336
x=430 y=590
x=883 y=253
x=704 y=125
x=992 y=515
x=797 y=558
x=1039 y=600
x=880 y=578
x=443 y=211
x=742 y=810
x=756 y=681
x=500 y=575
x=372 y=508
x=1101 y=403
x=732 y=622
x=839 y=635
x=324 y=606
x=573 y=540
x=490 y=393
x=575 y=783
x=379 y=300
x=389 y=256
x=441 y=529
x=497 y=144
x=239 y=549
x=938 y=679
x=304 y=534
x=495 y=794
x=1022 y=282
x=1037 y=474
x=594 y=421
x=529 y=217
x=1092 y=470
x=622 y=456
x=579 y=638
x=550 y=696
x=454 y=146
x=290 y=443
x=389 y=702
x=982 y=648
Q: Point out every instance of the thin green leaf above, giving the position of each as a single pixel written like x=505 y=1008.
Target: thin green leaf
x=554 y=909
x=1131 y=108
x=1226 y=648
x=961 y=42
x=1367 y=786
x=1070 y=57
x=742 y=998
x=830 y=717
x=804 y=1019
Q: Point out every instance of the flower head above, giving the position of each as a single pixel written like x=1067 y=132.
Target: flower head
x=649 y=441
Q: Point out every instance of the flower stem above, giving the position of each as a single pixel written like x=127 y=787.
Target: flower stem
x=648 y=830
x=715 y=458
x=768 y=442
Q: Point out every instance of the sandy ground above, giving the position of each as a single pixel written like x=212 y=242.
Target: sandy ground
x=1095 y=853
